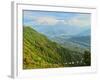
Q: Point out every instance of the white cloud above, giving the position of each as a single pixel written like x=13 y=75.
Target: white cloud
x=46 y=20
x=49 y=20
x=81 y=20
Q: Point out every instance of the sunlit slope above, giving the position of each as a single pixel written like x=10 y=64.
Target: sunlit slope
x=40 y=52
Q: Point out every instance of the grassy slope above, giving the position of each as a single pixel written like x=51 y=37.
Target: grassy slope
x=40 y=52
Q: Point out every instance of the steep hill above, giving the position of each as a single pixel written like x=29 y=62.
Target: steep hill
x=40 y=52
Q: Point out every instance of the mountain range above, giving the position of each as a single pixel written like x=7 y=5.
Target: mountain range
x=57 y=30
x=41 y=52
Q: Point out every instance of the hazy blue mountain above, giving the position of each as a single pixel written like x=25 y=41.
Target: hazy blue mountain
x=58 y=30
x=78 y=41
x=67 y=36
x=86 y=32
x=82 y=40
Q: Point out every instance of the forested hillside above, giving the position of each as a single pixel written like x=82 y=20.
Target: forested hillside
x=40 y=52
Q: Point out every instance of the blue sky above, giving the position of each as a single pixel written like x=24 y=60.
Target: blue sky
x=32 y=18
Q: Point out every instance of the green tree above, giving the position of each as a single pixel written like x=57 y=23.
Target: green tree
x=87 y=58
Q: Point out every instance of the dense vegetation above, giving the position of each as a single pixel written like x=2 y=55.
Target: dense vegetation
x=40 y=52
